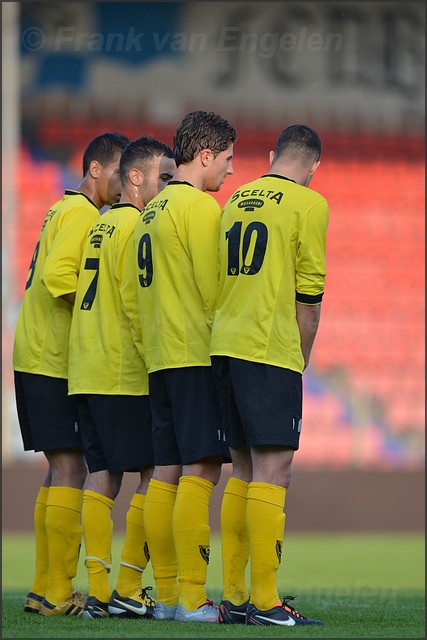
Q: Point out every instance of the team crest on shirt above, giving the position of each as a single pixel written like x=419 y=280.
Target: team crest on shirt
x=96 y=240
x=279 y=550
x=205 y=551
x=251 y=204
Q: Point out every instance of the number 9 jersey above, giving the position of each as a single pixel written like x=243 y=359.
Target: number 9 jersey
x=42 y=331
x=176 y=247
x=272 y=255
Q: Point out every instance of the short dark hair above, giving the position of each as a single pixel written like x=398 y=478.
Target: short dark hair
x=140 y=150
x=104 y=149
x=301 y=141
x=201 y=130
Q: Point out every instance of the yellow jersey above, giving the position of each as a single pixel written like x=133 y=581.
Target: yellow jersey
x=272 y=255
x=42 y=331
x=176 y=246
x=105 y=342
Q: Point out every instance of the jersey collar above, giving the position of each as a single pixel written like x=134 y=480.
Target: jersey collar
x=276 y=175
x=120 y=205
x=181 y=182
x=72 y=192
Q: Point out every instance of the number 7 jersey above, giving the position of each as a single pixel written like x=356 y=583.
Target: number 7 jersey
x=105 y=338
x=272 y=255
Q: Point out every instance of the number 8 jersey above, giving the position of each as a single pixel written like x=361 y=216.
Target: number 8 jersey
x=272 y=255
x=42 y=331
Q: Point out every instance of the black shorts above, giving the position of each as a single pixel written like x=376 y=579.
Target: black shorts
x=186 y=416
x=47 y=415
x=116 y=432
x=261 y=404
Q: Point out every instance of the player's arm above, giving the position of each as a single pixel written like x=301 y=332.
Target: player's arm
x=308 y=318
x=203 y=237
x=310 y=274
x=70 y=298
x=62 y=265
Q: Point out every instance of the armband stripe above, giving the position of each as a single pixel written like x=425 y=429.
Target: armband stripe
x=304 y=298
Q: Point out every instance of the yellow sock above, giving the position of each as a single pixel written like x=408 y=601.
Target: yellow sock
x=265 y=520
x=98 y=535
x=234 y=541
x=63 y=531
x=158 y=512
x=42 y=557
x=135 y=554
x=191 y=534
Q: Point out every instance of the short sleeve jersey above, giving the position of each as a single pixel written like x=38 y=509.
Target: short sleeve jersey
x=42 y=331
x=176 y=246
x=105 y=343
x=272 y=255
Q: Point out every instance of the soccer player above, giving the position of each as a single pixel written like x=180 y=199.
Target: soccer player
x=176 y=242
x=47 y=416
x=272 y=274
x=108 y=374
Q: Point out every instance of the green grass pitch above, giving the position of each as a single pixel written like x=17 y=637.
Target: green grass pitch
x=361 y=585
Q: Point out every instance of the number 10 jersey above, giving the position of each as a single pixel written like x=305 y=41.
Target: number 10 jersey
x=272 y=255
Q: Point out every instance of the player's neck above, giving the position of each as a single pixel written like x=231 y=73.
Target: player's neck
x=191 y=174
x=291 y=171
x=90 y=191
x=131 y=195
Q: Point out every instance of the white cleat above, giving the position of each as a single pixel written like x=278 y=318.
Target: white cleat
x=207 y=612
x=164 y=611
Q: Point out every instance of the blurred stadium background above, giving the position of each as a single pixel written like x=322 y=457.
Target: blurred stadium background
x=352 y=70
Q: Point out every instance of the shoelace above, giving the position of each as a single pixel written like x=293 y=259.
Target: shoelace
x=148 y=600
x=208 y=602
x=287 y=607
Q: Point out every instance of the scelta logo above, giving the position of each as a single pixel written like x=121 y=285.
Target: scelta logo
x=96 y=240
x=148 y=217
x=251 y=204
